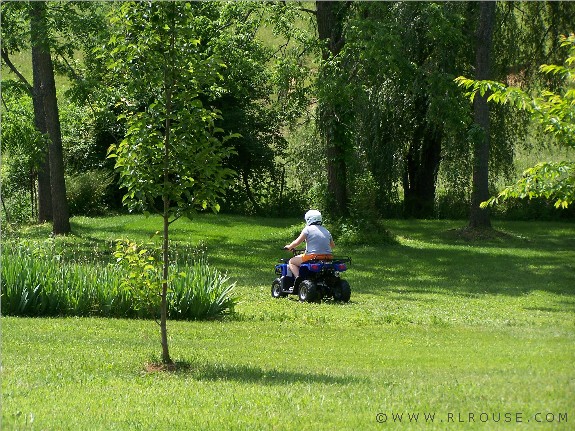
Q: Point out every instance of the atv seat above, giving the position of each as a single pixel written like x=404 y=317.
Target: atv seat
x=312 y=257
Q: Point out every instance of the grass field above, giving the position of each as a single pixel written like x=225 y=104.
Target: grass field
x=465 y=335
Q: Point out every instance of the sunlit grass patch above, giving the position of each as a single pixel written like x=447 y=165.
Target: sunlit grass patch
x=435 y=324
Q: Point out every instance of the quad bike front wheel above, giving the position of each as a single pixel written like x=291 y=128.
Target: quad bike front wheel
x=308 y=291
x=277 y=289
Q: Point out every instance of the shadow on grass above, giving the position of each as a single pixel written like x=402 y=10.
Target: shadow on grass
x=432 y=258
x=444 y=262
x=249 y=374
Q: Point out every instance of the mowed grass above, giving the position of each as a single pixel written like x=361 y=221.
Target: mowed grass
x=436 y=325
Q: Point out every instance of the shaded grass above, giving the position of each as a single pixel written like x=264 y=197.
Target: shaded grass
x=436 y=324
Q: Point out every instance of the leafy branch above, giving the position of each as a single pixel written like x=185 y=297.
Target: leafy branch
x=555 y=112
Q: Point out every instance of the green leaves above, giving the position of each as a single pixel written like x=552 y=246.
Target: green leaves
x=555 y=112
x=171 y=148
x=548 y=180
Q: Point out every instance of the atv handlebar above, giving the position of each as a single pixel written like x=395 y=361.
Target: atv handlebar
x=295 y=251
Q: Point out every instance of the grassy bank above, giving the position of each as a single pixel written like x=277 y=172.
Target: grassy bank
x=437 y=325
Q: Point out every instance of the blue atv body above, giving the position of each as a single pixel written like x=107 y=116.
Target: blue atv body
x=318 y=279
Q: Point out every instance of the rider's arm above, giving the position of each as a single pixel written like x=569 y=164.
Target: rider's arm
x=297 y=241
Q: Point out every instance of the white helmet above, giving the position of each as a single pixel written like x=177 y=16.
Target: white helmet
x=312 y=216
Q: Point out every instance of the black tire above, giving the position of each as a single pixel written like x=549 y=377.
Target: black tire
x=277 y=289
x=342 y=292
x=308 y=291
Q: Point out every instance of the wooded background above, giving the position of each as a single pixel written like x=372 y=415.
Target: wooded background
x=348 y=107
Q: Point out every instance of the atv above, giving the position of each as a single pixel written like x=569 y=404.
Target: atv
x=318 y=279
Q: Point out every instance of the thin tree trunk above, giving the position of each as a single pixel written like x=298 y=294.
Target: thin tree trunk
x=249 y=193
x=168 y=82
x=479 y=218
x=166 y=359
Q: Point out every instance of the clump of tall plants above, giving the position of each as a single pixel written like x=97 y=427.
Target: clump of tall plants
x=43 y=284
x=196 y=289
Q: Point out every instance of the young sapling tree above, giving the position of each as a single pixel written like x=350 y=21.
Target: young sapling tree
x=171 y=161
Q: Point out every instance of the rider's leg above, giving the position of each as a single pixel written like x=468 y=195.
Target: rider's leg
x=294 y=264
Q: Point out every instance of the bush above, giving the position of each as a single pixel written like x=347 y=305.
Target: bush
x=87 y=192
x=363 y=200
x=360 y=232
x=16 y=207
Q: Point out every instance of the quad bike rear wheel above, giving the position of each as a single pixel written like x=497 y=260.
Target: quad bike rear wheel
x=342 y=292
x=308 y=291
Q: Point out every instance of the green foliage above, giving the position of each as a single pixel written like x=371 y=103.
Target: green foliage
x=201 y=291
x=33 y=285
x=39 y=280
x=555 y=113
x=196 y=290
x=88 y=191
x=164 y=75
x=352 y=232
x=22 y=145
x=16 y=208
x=79 y=139
x=142 y=276
x=363 y=202
x=549 y=180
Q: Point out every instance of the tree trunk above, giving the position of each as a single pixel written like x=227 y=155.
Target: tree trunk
x=166 y=359
x=168 y=83
x=40 y=40
x=35 y=91
x=336 y=162
x=44 y=187
x=479 y=218
x=329 y=15
x=249 y=193
x=422 y=167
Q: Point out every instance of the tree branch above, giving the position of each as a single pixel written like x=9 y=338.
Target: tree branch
x=21 y=77
x=71 y=70
x=311 y=11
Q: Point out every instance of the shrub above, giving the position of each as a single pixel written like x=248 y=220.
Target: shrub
x=363 y=200
x=87 y=192
x=16 y=207
x=360 y=232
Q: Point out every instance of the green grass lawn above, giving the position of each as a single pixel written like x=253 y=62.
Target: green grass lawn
x=479 y=334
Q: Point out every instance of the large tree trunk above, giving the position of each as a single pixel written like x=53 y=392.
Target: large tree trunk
x=421 y=167
x=44 y=187
x=45 y=71
x=479 y=218
x=329 y=15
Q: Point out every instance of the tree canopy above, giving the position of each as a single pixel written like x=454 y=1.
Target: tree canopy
x=349 y=107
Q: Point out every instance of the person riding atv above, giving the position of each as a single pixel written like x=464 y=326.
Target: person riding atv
x=319 y=242
x=313 y=273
